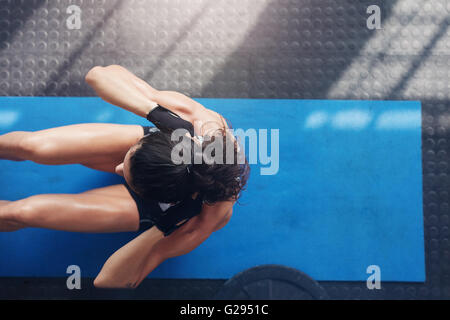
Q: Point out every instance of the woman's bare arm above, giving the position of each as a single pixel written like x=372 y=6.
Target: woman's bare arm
x=116 y=85
x=120 y=87
x=131 y=264
x=123 y=268
x=199 y=228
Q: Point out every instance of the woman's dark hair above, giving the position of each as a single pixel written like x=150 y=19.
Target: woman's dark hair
x=154 y=175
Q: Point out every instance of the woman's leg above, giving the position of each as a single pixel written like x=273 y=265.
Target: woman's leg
x=95 y=145
x=100 y=146
x=108 y=209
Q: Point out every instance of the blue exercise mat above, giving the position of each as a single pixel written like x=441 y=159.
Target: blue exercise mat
x=347 y=192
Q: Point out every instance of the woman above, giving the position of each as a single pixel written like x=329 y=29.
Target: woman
x=178 y=204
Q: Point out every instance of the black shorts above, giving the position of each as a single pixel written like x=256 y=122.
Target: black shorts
x=146 y=209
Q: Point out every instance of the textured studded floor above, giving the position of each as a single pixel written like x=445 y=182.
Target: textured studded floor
x=310 y=49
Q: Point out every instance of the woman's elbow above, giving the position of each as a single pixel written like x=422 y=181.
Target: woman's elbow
x=104 y=283
x=100 y=282
x=94 y=74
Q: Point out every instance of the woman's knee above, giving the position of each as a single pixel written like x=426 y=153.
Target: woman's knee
x=24 y=211
x=37 y=148
x=7 y=221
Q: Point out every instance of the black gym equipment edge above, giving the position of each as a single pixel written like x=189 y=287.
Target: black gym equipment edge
x=271 y=282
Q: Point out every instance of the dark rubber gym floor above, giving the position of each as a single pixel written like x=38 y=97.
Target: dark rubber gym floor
x=284 y=49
